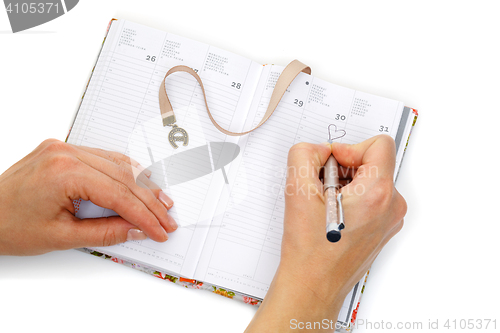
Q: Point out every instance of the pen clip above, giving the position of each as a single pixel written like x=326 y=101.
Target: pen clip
x=341 y=211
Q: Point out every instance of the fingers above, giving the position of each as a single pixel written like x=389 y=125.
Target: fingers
x=104 y=231
x=377 y=155
x=346 y=173
x=304 y=190
x=306 y=159
x=115 y=157
x=143 y=188
x=138 y=171
x=128 y=191
x=169 y=223
x=372 y=188
x=304 y=163
x=90 y=184
x=145 y=182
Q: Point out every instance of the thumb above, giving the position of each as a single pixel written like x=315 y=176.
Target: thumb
x=103 y=231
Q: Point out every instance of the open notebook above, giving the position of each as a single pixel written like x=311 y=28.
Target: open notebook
x=229 y=211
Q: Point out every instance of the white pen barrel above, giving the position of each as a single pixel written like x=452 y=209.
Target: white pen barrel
x=331 y=185
x=332 y=217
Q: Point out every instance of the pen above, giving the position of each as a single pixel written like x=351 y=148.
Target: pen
x=333 y=200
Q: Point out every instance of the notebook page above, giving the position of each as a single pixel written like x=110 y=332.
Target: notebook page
x=243 y=252
x=120 y=112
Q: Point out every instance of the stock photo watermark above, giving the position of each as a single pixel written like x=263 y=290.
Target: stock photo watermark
x=202 y=161
x=482 y=324
x=24 y=15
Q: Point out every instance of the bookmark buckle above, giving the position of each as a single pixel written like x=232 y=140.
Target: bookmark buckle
x=183 y=137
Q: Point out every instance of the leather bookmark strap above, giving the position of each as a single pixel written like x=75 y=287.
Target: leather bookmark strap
x=287 y=76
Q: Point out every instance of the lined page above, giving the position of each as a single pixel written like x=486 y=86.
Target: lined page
x=120 y=112
x=243 y=252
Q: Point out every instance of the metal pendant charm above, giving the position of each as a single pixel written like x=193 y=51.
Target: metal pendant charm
x=172 y=138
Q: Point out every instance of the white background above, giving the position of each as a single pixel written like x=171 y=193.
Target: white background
x=440 y=57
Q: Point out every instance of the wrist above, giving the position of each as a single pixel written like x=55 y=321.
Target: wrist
x=309 y=291
x=293 y=299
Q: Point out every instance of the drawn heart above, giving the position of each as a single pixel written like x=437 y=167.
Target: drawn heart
x=25 y=15
x=334 y=133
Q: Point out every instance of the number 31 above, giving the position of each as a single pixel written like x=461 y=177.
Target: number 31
x=383 y=129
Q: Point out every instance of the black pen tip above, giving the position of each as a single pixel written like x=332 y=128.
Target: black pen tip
x=333 y=236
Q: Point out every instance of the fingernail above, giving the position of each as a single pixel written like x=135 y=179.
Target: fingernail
x=327 y=144
x=172 y=222
x=165 y=200
x=165 y=232
x=136 y=234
